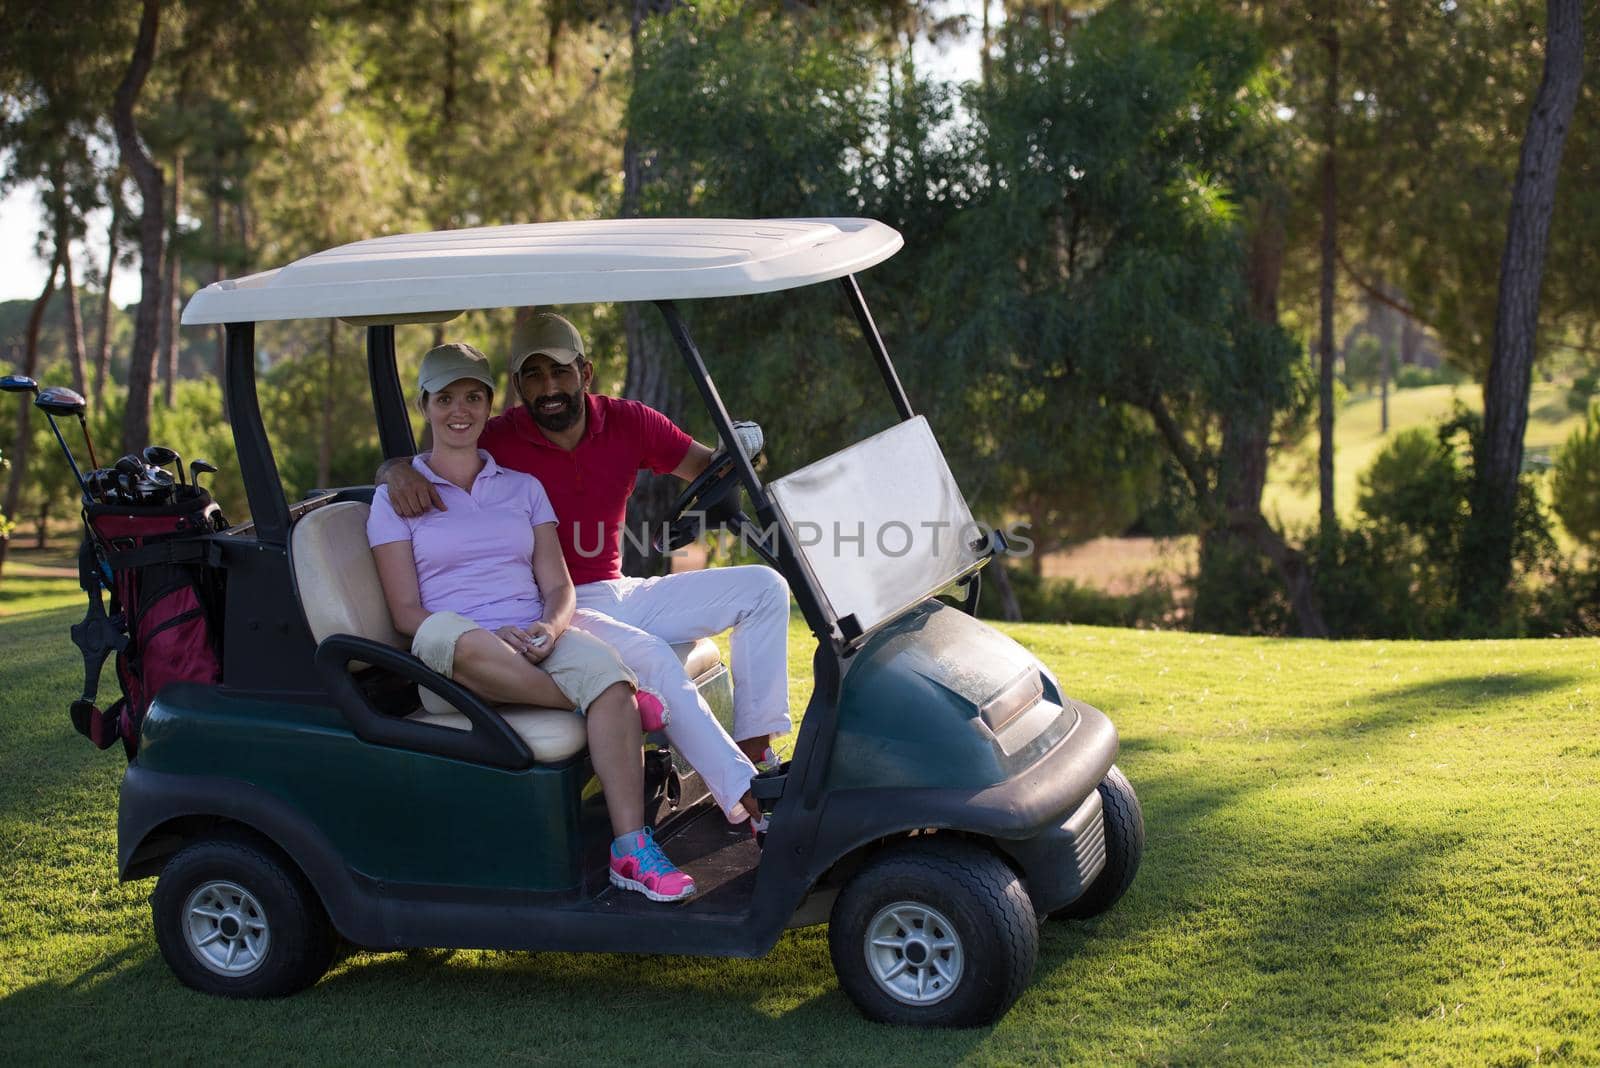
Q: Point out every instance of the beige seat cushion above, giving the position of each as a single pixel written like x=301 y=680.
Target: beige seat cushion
x=552 y=734
x=340 y=594
x=698 y=657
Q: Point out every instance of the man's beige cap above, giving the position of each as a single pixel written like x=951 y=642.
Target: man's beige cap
x=548 y=334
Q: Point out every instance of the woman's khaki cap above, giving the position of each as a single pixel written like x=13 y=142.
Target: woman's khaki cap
x=451 y=363
x=546 y=333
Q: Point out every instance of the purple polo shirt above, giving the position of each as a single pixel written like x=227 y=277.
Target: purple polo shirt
x=476 y=558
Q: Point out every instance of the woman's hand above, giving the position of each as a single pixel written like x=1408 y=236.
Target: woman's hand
x=533 y=643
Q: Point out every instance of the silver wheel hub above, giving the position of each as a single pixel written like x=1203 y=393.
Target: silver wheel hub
x=226 y=929
x=913 y=953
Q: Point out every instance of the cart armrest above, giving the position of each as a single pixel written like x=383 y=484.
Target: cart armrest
x=490 y=741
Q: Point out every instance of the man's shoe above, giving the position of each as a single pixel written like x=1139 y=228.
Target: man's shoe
x=646 y=869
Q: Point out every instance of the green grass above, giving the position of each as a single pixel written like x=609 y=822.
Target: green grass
x=1358 y=852
x=1291 y=493
x=37 y=581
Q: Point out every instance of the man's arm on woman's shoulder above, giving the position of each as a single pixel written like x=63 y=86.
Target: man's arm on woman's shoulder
x=409 y=492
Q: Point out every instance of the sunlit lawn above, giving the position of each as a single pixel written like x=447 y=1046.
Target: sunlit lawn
x=1374 y=851
x=1291 y=494
x=36 y=580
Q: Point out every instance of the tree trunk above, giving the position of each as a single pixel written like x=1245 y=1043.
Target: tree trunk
x=102 y=355
x=1246 y=436
x=152 y=231
x=1383 y=390
x=170 y=305
x=1330 y=250
x=24 y=436
x=75 y=354
x=1505 y=390
x=649 y=378
x=1389 y=321
x=41 y=532
x=995 y=577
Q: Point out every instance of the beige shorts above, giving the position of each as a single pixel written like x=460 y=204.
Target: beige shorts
x=581 y=664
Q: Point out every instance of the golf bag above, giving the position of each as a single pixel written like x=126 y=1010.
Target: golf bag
x=165 y=616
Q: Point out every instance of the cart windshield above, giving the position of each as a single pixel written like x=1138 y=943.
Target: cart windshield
x=880 y=525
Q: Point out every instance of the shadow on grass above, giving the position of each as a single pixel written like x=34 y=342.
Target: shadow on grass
x=1445 y=700
x=1243 y=933
x=26 y=594
x=477 y=1007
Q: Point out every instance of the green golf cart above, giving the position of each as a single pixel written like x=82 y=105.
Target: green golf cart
x=943 y=798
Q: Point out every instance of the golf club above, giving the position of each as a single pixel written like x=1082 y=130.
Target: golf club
x=102 y=483
x=59 y=400
x=196 y=467
x=161 y=456
x=53 y=401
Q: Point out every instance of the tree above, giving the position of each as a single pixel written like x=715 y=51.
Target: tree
x=1505 y=391
x=22 y=442
x=147 y=176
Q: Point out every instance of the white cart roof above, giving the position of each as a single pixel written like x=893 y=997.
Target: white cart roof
x=424 y=275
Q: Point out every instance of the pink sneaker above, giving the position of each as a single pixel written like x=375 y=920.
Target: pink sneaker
x=647 y=870
x=652 y=713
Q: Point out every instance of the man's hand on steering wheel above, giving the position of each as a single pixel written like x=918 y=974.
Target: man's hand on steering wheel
x=712 y=497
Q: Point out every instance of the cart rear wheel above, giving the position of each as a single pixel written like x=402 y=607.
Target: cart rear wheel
x=234 y=920
x=935 y=934
x=1124 y=829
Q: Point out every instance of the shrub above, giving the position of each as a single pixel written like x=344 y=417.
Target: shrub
x=1575 y=485
x=1045 y=600
x=1397 y=571
x=1237 y=590
x=1410 y=376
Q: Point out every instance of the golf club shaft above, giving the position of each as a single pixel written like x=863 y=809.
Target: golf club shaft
x=87 y=440
x=82 y=485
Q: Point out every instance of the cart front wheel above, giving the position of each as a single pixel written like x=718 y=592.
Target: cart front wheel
x=1124 y=828
x=934 y=934
x=233 y=920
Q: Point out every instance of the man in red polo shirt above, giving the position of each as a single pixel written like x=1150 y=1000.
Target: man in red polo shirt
x=587 y=450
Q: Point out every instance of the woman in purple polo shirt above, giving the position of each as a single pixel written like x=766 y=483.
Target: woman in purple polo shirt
x=484 y=591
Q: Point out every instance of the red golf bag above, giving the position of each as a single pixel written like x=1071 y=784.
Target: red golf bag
x=165 y=617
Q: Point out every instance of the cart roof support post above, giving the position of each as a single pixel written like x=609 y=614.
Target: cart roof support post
x=388 y=399
x=801 y=585
x=262 y=487
x=891 y=379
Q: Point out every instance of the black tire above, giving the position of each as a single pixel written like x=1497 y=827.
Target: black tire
x=272 y=897
x=1124 y=828
x=956 y=883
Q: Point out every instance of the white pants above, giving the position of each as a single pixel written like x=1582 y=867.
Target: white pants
x=642 y=618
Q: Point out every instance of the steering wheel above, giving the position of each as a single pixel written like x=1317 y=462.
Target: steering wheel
x=711 y=499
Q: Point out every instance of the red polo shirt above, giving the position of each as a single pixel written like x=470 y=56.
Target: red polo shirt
x=590 y=485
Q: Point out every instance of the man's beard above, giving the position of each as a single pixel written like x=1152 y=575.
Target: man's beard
x=560 y=419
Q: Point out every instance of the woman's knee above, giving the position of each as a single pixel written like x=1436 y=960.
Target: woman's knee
x=616 y=693
x=475 y=648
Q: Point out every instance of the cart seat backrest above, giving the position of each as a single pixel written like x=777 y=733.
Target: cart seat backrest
x=336 y=575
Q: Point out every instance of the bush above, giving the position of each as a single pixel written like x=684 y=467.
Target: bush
x=1045 y=600
x=1410 y=376
x=1575 y=485
x=1398 y=570
x=1238 y=591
